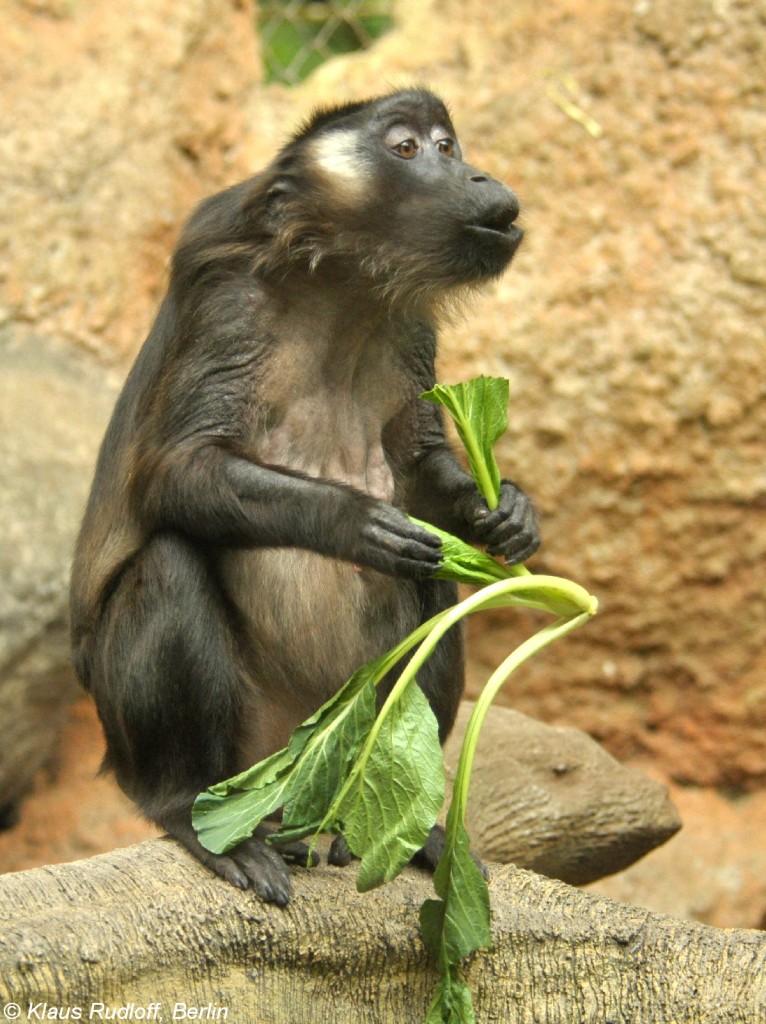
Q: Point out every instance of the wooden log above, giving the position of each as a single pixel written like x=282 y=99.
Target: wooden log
x=148 y=926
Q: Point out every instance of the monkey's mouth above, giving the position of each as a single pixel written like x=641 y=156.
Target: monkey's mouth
x=500 y=226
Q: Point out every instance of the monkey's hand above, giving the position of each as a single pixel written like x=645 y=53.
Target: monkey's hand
x=391 y=543
x=511 y=530
x=236 y=501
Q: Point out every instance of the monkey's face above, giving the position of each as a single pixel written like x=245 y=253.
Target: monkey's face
x=391 y=190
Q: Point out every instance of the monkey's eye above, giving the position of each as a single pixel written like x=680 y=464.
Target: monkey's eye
x=407 y=149
x=446 y=146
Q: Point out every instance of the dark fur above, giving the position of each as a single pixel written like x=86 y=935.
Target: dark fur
x=244 y=548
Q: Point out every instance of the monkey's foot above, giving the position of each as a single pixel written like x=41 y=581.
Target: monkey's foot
x=339 y=853
x=426 y=857
x=251 y=863
x=429 y=854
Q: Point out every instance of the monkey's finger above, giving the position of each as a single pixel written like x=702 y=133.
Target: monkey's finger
x=511 y=509
x=518 y=549
x=391 y=543
x=380 y=556
x=520 y=518
x=297 y=853
x=514 y=536
x=400 y=525
x=511 y=530
x=404 y=540
x=412 y=564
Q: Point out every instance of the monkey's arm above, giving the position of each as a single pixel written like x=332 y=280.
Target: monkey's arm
x=443 y=493
x=222 y=498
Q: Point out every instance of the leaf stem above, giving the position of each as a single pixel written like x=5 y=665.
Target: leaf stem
x=525 y=650
x=495 y=595
x=479 y=466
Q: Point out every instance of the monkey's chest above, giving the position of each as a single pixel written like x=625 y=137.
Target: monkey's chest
x=335 y=442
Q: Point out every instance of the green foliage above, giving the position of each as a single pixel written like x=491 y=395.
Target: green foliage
x=297 y=37
x=305 y=776
x=458 y=922
x=395 y=792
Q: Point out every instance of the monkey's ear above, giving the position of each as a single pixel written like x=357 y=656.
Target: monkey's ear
x=276 y=197
x=268 y=202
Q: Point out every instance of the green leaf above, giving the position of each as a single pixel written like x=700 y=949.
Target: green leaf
x=396 y=793
x=554 y=595
x=466 y=564
x=230 y=811
x=452 y=1003
x=479 y=408
x=458 y=923
x=317 y=779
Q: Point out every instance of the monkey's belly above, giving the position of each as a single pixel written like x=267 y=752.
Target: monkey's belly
x=311 y=622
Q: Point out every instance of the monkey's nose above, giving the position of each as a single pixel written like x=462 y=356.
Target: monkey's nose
x=495 y=195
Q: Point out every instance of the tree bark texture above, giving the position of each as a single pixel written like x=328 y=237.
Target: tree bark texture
x=147 y=925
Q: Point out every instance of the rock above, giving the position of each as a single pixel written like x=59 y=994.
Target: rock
x=116 y=118
x=53 y=410
x=36 y=693
x=714 y=871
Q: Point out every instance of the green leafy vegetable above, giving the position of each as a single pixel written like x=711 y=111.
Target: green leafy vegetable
x=479 y=409
x=379 y=780
x=456 y=924
x=306 y=775
x=396 y=794
x=466 y=564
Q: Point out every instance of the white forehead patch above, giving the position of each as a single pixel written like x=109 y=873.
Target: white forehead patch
x=337 y=155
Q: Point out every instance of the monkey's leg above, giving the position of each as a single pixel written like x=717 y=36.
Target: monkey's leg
x=169 y=687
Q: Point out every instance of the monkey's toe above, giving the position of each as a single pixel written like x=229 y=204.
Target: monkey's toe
x=297 y=853
x=339 y=853
x=263 y=869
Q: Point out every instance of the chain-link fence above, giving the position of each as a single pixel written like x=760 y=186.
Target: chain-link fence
x=298 y=35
